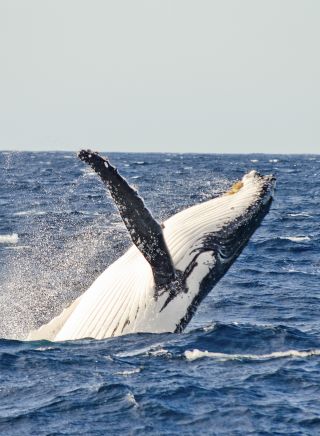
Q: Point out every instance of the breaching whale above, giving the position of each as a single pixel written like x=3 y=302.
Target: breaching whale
x=157 y=285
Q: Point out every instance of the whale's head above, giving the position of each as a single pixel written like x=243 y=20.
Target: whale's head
x=249 y=196
x=206 y=239
x=264 y=185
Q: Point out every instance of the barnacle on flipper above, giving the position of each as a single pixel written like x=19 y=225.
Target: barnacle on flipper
x=235 y=188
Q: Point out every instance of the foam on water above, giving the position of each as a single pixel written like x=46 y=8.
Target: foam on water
x=128 y=372
x=131 y=399
x=30 y=213
x=9 y=239
x=296 y=238
x=197 y=354
x=302 y=214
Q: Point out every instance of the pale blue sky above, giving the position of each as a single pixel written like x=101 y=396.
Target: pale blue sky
x=160 y=75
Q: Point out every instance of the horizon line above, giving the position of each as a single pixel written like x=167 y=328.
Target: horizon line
x=58 y=150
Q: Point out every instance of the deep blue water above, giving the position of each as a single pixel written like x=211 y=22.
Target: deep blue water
x=58 y=231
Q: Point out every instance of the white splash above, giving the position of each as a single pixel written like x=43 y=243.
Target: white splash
x=9 y=239
x=87 y=172
x=197 y=354
x=131 y=399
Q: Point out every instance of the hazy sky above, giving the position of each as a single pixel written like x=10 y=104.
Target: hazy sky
x=160 y=75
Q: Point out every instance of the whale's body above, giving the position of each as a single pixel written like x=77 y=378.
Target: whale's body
x=203 y=242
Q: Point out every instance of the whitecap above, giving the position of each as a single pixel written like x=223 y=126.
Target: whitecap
x=149 y=349
x=300 y=271
x=128 y=372
x=18 y=247
x=296 y=238
x=254 y=160
x=30 y=213
x=159 y=352
x=9 y=239
x=22 y=213
x=197 y=354
x=209 y=327
x=273 y=160
x=305 y=214
x=131 y=399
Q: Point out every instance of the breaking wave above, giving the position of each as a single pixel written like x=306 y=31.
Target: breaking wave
x=296 y=238
x=197 y=354
x=9 y=239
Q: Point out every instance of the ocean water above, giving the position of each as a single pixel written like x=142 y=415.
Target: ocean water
x=248 y=363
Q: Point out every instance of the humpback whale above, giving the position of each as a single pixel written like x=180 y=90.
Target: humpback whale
x=157 y=285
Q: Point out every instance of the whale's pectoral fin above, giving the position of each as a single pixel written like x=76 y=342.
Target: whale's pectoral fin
x=146 y=233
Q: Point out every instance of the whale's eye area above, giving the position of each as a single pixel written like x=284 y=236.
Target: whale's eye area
x=235 y=188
